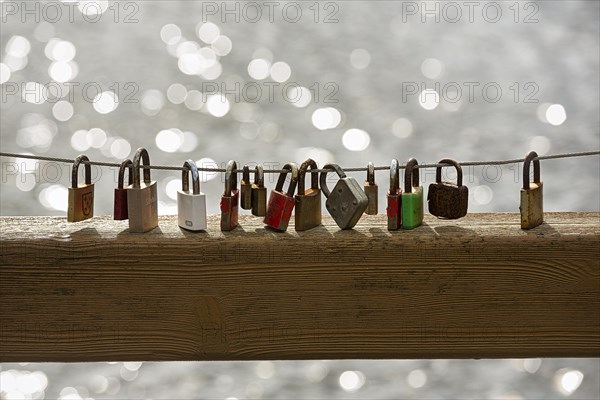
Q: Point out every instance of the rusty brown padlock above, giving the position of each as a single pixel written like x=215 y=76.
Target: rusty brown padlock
x=230 y=199
x=447 y=200
x=120 y=201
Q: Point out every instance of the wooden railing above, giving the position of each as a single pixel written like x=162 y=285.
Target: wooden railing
x=472 y=288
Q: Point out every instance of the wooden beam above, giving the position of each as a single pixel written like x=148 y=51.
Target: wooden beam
x=477 y=287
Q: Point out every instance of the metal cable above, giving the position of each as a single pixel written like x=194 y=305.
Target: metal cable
x=277 y=171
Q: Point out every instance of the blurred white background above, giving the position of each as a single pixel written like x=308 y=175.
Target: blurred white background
x=346 y=82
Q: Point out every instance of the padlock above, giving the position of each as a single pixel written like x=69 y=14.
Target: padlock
x=259 y=193
x=81 y=196
x=246 y=189
x=308 y=202
x=394 y=198
x=347 y=201
x=532 y=197
x=142 y=198
x=447 y=200
x=230 y=199
x=191 y=206
x=412 y=198
x=120 y=203
x=281 y=204
x=371 y=189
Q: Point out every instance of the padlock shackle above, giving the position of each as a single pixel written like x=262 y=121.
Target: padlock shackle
x=141 y=155
x=230 y=178
x=370 y=173
x=75 y=171
x=323 y=178
x=185 y=177
x=126 y=165
x=246 y=174
x=289 y=167
x=259 y=175
x=455 y=164
x=536 y=169
x=411 y=175
x=314 y=176
x=394 y=176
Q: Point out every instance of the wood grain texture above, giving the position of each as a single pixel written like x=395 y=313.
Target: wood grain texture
x=477 y=287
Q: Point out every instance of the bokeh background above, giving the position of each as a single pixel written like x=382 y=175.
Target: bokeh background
x=347 y=82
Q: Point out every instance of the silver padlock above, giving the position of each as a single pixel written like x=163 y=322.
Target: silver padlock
x=347 y=201
x=191 y=206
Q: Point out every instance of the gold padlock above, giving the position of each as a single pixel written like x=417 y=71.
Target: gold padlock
x=308 y=202
x=246 y=189
x=142 y=200
x=371 y=190
x=81 y=196
x=532 y=199
x=259 y=192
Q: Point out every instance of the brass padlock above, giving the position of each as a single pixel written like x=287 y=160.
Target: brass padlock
x=308 y=202
x=371 y=190
x=447 y=200
x=394 y=198
x=532 y=200
x=259 y=192
x=142 y=198
x=81 y=196
x=246 y=189
x=347 y=201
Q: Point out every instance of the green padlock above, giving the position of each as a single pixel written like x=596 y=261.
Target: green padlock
x=412 y=197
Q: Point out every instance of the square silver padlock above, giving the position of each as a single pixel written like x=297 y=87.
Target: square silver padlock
x=347 y=201
x=191 y=205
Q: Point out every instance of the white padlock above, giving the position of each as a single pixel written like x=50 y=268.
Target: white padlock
x=191 y=206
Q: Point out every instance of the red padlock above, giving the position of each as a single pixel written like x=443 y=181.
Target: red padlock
x=281 y=204
x=120 y=208
x=229 y=199
x=394 y=198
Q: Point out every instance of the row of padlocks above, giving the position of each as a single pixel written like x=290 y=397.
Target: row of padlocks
x=346 y=202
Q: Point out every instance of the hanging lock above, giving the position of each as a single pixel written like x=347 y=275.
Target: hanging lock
x=308 y=202
x=120 y=203
x=447 y=200
x=394 y=198
x=371 y=189
x=142 y=200
x=412 y=198
x=81 y=196
x=281 y=204
x=347 y=201
x=191 y=207
x=259 y=193
x=532 y=196
x=229 y=199
x=246 y=189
